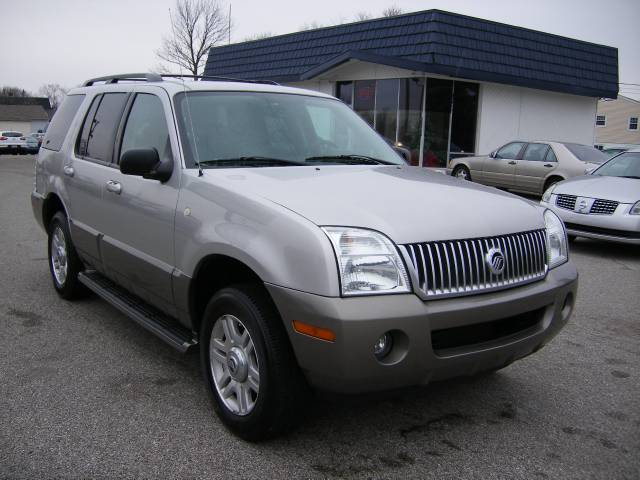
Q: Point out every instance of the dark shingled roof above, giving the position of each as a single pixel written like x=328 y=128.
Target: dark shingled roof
x=430 y=41
x=22 y=113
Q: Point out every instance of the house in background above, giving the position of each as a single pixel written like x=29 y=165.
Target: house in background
x=617 y=123
x=24 y=114
x=439 y=83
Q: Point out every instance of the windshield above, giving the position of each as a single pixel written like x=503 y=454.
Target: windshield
x=586 y=153
x=624 y=165
x=250 y=129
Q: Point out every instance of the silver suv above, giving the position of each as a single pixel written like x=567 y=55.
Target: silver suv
x=274 y=229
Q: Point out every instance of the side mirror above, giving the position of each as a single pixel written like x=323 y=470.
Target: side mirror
x=403 y=152
x=145 y=162
x=493 y=154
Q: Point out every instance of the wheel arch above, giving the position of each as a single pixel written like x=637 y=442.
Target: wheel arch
x=52 y=204
x=552 y=178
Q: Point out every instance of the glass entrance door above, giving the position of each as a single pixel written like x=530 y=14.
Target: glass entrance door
x=437 y=122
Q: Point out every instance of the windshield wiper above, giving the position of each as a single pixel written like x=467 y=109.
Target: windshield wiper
x=348 y=160
x=250 y=161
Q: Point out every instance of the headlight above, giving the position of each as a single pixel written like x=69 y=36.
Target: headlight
x=546 y=196
x=635 y=209
x=368 y=262
x=557 y=252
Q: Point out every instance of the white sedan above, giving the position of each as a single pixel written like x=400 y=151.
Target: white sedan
x=604 y=205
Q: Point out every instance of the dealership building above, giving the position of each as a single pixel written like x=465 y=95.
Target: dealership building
x=441 y=84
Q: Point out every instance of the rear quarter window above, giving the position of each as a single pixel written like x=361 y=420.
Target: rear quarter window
x=61 y=122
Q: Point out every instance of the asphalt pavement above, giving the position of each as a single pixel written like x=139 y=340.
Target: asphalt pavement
x=86 y=393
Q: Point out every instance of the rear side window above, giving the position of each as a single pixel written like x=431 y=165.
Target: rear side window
x=551 y=157
x=535 y=152
x=99 y=130
x=147 y=127
x=61 y=122
x=586 y=153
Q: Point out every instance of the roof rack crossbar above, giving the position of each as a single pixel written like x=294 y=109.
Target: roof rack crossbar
x=157 y=77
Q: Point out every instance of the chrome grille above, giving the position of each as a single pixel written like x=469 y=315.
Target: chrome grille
x=566 y=201
x=603 y=207
x=459 y=267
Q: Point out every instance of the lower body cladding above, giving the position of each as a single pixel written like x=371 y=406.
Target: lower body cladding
x=432 y=340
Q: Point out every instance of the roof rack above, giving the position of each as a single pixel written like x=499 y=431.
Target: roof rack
x=157 y=77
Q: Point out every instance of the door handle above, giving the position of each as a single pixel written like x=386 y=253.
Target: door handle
x=114 y=187
x=68 y=171
x=548 y=165
x=512 y=162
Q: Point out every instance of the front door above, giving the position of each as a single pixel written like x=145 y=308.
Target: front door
x=499 y=169
x=138 y=246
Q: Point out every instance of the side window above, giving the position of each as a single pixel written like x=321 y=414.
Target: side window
x=101 y=130
x=61 y=122
x=81 y=145
x=147 y=127
x=551 y=157
x=510 y=150
x=535 y=152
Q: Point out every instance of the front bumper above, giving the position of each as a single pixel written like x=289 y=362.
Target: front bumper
x=617 y=227
x=349 y=366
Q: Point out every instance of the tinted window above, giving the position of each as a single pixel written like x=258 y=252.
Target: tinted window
x=535 y=152
x=147 y=127
x=102 y=130
x=510 y=150
x=85 y=131
x=586 y=153
x=61 y=122
x=365 y=99
x=387 y=108
x=463 y=118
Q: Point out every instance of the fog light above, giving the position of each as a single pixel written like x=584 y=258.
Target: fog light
x=383 y=346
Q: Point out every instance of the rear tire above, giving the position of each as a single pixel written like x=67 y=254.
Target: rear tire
x=254 y=380
x=462 y=172
x=64 y=263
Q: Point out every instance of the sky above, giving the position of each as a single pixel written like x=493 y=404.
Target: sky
x=69 y=41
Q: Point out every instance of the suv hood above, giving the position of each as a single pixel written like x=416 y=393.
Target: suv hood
x=620 y=189
x=408 y=204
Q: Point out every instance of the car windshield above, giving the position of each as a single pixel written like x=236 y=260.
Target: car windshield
x=624 y=165
x=252 y=129
x=586 y=153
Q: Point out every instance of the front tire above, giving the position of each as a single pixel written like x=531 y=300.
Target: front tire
x=255 y=383
x=64 y=263
x=462 y=172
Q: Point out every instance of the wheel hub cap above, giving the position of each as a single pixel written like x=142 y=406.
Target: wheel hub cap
x=59 y=256
x=234 y=365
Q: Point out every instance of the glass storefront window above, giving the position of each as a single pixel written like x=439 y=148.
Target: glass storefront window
x=437 y=116
x=364 y=100
x=463 y=121
x=410 y=116
x=387 y=108
x=344 y=91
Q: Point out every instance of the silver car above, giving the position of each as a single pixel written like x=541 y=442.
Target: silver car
x=274 y=230
x=604 y=205
x=529 y=167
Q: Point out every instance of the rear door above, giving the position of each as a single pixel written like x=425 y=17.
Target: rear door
x=87 y=169
x=534 y=167
x=137 y=247
x=500 y=169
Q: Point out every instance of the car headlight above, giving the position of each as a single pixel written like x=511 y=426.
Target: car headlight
x=368 y=262
x=546 y=196
x=635 y=209
x=557 y=251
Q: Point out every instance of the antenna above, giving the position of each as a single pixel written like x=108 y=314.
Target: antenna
x=186 y=97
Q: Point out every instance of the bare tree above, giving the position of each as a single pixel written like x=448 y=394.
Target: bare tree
x=197 y=25
x=258 y=36
x=362 y=16
x=54 y=92
x=311 y=26
x=392 y=11
x=13 y=92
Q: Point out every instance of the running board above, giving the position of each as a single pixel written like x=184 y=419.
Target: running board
x=149 y=317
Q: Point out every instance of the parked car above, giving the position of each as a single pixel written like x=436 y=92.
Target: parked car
x=529 y=167
x=39 y=136
x=273 y=228
x=604 y=205
x=611 y=152
x=11 y=142
x=31 y=145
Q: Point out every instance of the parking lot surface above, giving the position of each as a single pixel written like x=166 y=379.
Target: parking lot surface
x=85 y=392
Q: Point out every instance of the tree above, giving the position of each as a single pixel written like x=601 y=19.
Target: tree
x=54 y=92
x=197 y=25
x=362 y=16
x=13 y=92
x=258 y=36
x=392 y=11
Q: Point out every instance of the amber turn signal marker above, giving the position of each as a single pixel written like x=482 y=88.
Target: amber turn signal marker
x=316 y=332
